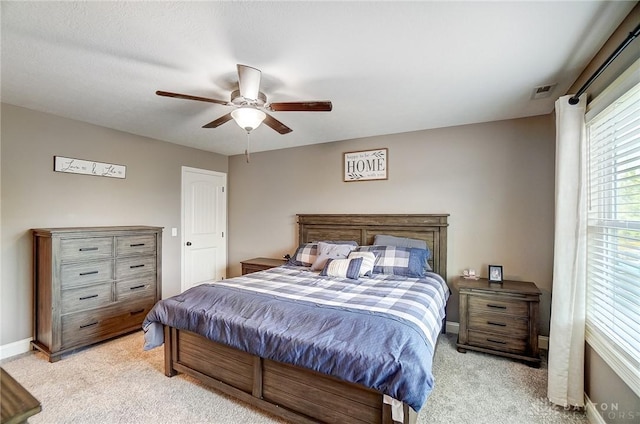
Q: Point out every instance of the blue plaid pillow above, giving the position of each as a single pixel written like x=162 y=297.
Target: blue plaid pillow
x=307 y=253
x=394 y=260
x=387 y=240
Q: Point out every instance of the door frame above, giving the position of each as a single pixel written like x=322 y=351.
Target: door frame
x=182 y=222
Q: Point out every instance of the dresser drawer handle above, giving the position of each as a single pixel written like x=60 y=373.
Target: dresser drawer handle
x=496 y=306
x=136 y=245
x=89 y=325
x=82 y=274
x=137 y=287
x=496 y=341
x=136 y=266
x=89 y=297
x=500 y=324
x=136 y=312
x=87 y=249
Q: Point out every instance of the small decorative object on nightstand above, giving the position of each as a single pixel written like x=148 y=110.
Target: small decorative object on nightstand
x=260 y=264
x=501 y=319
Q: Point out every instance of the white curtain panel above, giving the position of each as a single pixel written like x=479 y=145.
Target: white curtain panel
x=566 y=339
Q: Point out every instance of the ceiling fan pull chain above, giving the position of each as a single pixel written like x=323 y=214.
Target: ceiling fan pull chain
x=246 y=152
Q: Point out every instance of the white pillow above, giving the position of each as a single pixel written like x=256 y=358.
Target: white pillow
x=368 y=260
x=330 y=251
x=342 y=268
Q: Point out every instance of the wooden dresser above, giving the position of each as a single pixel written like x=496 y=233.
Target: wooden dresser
x=260 y=264
x=501 y=319
x=92 y=284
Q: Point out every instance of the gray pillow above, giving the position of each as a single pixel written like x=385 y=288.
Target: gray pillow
x=386 y=240
x=330 y=251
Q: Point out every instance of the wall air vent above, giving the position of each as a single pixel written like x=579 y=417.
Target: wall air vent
x=543 y=91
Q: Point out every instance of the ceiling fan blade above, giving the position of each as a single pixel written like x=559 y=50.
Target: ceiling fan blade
x=216 y=123
x=190 y=97
x=272 y=122
x=319 y=106
x=249 y=81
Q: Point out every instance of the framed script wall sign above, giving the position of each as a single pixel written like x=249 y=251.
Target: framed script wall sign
x=88 y=167
x=366 y=165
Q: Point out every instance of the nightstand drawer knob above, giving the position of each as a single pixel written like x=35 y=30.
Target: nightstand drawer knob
x=496 y=306
x=499 y=324
x=496 y=341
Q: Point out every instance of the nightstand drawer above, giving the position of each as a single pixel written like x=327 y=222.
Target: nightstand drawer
x=498 y=342
x=260 y=264
x=499 y=323
x=496 y=304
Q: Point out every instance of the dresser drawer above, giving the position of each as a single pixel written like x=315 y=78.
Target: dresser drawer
x=498 y=305
x=135 y=245
x=136 y=266
x=73 y=275
x=136 y=289
x=499 y=324
x=83 y=298
x=88 y=327
x=499 y=342
x=86 y=248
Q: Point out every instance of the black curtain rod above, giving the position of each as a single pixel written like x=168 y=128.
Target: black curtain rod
x=632 y=35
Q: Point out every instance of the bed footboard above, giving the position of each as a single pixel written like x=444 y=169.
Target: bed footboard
x=293 y=393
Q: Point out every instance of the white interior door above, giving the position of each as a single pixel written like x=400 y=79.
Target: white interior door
x=204 y=226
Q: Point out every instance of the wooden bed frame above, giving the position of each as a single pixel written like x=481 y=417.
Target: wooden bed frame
x=293 y=393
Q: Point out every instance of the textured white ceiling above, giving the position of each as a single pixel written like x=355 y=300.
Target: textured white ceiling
x=388 y=67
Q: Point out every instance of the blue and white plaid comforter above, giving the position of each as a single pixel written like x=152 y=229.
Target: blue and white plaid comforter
x=379 y=332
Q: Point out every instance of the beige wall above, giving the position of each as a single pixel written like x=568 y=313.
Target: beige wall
x=35 y=196
x=495 y=179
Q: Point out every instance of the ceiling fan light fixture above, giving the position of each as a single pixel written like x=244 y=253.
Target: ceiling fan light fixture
x=248 y=118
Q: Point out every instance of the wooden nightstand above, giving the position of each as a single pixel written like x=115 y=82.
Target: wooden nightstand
x=16 y=403
x=501 y=319
x=260 y=264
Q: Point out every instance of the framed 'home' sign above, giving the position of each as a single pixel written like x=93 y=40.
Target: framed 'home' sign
x=366 y=165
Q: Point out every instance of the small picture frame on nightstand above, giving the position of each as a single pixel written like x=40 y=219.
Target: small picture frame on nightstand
x=495 y=274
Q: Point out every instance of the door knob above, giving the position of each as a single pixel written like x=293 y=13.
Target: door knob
x=188 y=243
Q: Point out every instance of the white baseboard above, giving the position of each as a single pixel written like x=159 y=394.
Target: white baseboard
x=592 y=413
x=543 y=342
x=454 y=328
x=15 y=348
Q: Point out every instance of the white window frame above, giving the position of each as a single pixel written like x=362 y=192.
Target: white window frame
x=598 y=336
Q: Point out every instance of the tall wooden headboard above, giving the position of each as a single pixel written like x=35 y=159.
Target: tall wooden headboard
x=363 y=228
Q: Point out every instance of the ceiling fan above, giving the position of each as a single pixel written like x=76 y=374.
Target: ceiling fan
x=249 y=103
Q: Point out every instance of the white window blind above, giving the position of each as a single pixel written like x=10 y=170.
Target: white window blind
x=613 y=252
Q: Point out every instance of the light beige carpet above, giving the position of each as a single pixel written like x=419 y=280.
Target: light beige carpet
x=117 y=382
